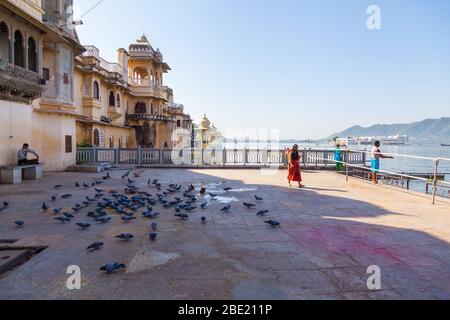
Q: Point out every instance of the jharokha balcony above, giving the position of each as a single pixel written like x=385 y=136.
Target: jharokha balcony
x=18 y=84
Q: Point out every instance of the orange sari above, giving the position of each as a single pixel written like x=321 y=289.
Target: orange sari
x=294 y=170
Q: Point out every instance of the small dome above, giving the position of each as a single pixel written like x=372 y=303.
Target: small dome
x=204 y=123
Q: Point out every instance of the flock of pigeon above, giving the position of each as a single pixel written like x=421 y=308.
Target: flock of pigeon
x=127 y=204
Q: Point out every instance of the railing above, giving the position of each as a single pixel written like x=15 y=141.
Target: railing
x=205 y=157
x=144 y=116
x=92 y=51
x=436 y=184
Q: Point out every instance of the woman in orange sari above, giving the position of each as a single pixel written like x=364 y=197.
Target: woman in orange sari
x=294 y=166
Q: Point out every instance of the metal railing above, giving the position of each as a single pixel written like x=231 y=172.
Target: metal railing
x=435 y=176
x=215 y=157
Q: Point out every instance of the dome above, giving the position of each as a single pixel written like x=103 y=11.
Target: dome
x=204 y=123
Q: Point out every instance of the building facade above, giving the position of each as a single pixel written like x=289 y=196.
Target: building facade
x=56 y=94
x=37 y=106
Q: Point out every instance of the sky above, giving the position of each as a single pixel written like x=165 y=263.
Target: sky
x=308 y=68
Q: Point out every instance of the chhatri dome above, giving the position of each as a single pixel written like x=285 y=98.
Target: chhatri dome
x=204 y=124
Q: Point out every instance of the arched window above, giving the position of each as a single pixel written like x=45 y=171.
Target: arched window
x=140 y=108
x=19 y=49
x=32 y=55
x=96 y=90
x=111 y=142
x=112 y=99
x=4 y=42
x=118 y=101
x=96 y=138
x=120 y=143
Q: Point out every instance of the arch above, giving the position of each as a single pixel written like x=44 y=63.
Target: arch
x=96 y=89
x=32 y=55
x=120 y=143
x=118 y=102
x=140 y=108
x=111 y=142
x=112 y=99
x=96 y=138
x=140 y=76
x=5 y=47
x=19 y=55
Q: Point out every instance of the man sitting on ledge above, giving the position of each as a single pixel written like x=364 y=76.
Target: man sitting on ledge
x=23 y=153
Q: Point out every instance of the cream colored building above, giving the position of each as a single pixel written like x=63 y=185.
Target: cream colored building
x=56 y=93
x=37 y=103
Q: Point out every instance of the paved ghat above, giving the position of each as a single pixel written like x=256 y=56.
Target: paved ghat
x=330 y=233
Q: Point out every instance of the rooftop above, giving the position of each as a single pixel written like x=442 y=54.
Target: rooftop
x=330 y=233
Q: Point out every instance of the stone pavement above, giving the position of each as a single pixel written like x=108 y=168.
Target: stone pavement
x=330 y=233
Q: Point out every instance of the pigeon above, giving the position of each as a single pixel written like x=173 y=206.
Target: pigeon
x=128 y=218
x=66 y=196
x=95 y=246
x=53 y=198
x=77 y=184
x=226 y=208
x=111 y=267
x=56 y=210
x=204 y=205
x=6 y=204
x=19 y=223
x=154 y=226
x=58 y=186
x=68 y=215
x=182 y=216
x=203 y=219
x=90 y=199
x=259 y=198
x=273 y=223
x=126 y=175
x=125 y=236
x=85 y=185
x=44 y=207
x=99 y=190
x=249 y=205
x=262 y=212
x=103 y=219
x=227 y=189
x=107 y=177
x=153 y=236
x=83 y=225
x=62 y=219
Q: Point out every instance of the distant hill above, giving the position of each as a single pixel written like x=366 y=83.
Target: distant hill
x=429 y=129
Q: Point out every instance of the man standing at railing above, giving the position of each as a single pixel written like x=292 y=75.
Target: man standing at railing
x=375 y=156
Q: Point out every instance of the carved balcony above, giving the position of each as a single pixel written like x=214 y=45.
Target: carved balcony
x=18 y=84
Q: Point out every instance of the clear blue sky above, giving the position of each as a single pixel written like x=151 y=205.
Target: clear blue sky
x=307 y=67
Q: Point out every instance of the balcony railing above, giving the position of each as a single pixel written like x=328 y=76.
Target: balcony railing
x=92 y=51
x=215 y=157
x=19 y=84
x=151 y=117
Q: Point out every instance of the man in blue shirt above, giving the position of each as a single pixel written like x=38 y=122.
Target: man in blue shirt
x=375 y=156
x=22 y=156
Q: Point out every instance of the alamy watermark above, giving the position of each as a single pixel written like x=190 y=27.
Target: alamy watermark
x=374 y=281
x=374 y=19
x=74 y=279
